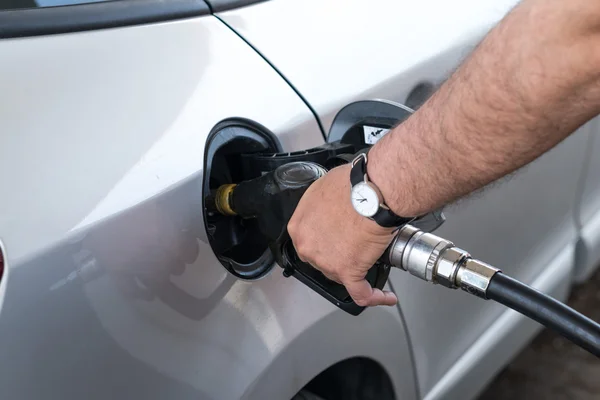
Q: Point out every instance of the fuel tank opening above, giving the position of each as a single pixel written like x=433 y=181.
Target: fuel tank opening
x=238 y=244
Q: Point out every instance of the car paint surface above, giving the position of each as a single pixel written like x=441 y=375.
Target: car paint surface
x=108 y=271
x=525 y=225
x=588 y=212
x=340 y=51
x=111 y=289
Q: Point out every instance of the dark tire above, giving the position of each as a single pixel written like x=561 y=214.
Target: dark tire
x=306 y=395
x=352 y=379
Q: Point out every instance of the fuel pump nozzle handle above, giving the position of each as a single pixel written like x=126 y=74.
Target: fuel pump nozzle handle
x=271 y=200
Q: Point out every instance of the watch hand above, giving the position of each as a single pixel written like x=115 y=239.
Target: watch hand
x=362 y=200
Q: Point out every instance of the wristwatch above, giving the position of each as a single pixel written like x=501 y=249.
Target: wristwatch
x=366 y=198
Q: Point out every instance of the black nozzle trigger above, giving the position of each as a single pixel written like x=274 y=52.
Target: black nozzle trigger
x=334 y=292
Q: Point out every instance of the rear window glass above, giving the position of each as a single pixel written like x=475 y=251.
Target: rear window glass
x=19 y=4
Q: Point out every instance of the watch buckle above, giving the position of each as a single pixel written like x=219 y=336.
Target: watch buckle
x=358 y=157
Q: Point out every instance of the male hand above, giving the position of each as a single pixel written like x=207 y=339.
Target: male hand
x=331 y=236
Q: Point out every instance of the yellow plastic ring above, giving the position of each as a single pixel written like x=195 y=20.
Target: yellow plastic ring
x=223 y=199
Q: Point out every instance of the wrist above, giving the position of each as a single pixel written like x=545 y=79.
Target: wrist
x=390 y=175
x=367 y=225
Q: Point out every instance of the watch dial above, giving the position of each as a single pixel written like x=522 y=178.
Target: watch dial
x=365 y=200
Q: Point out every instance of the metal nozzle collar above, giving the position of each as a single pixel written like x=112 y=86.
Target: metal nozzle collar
x=436 y=260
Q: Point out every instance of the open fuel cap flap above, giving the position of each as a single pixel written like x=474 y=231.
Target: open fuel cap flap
x=273 y=183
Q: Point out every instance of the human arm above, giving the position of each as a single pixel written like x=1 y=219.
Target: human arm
x=529 y=84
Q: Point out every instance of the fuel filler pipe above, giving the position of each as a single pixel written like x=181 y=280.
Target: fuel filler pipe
x=437 y=260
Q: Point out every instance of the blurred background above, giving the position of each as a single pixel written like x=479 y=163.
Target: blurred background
x=551 y=367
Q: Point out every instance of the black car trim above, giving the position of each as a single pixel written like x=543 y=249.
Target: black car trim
x=90 y=16
x=224 y=5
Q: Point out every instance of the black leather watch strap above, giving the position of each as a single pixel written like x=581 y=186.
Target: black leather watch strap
x=384 y=216
x=358 y=171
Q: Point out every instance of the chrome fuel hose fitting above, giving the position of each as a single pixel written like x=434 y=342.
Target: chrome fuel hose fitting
x=437 y=260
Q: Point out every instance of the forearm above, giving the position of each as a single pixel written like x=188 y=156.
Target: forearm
x=533 y=81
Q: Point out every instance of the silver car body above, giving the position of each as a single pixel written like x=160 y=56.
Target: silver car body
x=102 y=137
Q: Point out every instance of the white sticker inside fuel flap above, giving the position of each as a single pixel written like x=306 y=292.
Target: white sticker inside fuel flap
x=373 y=134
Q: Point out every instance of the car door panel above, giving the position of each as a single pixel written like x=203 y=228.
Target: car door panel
x=588 y=214
x=335 y=52
x=111 y=289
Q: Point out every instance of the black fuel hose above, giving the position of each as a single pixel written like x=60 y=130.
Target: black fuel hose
x=435 y=259
x=549 y=312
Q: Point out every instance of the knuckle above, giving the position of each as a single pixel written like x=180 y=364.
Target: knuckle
x=301 y=245
x=292 y=227
x=303 y=249
x=330 y=268
x=331 y=277
x=361 y=302
x=344 y=275
x=321 y=264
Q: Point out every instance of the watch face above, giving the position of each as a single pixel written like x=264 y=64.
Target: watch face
x=365 y=199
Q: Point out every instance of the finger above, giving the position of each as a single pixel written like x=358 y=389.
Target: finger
x=300 y=256
x=364 y=295
x=303 y=259
x=331 y=277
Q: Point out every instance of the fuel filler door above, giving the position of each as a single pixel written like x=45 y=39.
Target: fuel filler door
x=247 y=216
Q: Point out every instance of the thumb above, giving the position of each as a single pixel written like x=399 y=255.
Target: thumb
x=364 y=295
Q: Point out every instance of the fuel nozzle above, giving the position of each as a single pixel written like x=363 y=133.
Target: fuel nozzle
x=271 y=198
